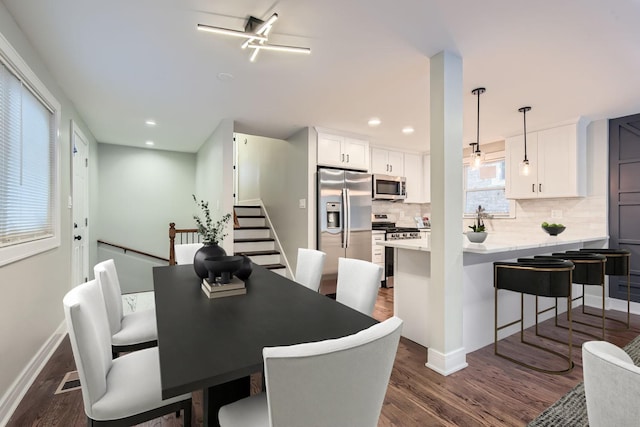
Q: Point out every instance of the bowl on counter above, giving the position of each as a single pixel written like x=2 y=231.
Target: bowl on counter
x=554 y=230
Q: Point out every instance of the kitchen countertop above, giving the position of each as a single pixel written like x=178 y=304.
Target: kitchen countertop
x=498 y=242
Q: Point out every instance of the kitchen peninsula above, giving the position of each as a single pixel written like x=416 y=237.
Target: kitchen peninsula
x=412 y=278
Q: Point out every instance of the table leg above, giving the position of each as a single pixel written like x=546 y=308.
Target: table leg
x=220 y=395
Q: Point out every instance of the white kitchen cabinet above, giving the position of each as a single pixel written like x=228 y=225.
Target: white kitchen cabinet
x=413 y=171
x=558 y=163
x=387 y=162
x=426 y=178
x=377 y=251
x=343 y=152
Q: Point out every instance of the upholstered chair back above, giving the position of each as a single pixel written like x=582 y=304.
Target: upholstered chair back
x=340 y=382
x=86 y=319
x=107 y=276
x=186 y=252
x=358 y=283
x=309 y=268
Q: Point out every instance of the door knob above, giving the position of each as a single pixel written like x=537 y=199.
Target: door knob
x=77 y=237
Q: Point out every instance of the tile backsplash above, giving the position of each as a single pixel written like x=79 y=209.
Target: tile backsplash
x=579 y=215
x=404 y=212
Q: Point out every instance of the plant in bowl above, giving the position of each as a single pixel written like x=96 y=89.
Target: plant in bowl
x=212 y=233
x=553 y=229
x=478 y=235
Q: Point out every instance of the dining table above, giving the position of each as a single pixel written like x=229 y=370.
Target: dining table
x=215 y=344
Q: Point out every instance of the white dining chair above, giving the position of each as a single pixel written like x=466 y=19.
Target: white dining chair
x=309 y=268
x=611 y=385
x=186 y=252
x=339 y=382
x=124 y=391
x=129 y=332
x=358 y=283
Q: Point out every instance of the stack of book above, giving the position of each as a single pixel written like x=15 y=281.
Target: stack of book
x=219 y=290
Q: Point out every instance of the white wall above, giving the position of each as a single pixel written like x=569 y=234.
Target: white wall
x=33 y=288
x=141 y=191
x=214 y=176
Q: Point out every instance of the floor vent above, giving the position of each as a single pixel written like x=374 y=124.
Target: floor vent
x=70 y=382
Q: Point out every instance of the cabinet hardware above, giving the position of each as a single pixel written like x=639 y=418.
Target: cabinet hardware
x=387 y=167
x=540 y=188
x=342 y=158
x=533 y=188
x=390 y=168
x=347 y=158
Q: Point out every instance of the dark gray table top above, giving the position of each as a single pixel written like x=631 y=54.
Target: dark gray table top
x=205 y=342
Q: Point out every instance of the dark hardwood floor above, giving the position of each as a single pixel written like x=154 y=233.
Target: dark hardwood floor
x=490 y=392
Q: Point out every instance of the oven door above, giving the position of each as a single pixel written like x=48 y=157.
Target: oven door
x=387 y=187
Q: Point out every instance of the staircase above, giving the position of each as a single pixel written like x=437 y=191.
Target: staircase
x=254 y=239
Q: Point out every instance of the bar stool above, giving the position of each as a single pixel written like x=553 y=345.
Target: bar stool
x=539 y=277
x=589 y=270
x=618 y=264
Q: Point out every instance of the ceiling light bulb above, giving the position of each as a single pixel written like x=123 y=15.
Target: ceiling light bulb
x=525 y=168
x=291 y=49
x=150 y=122
x=374 y=121
x=150 y=143
x=232 y=33
x=477 y=158
x=407 y=130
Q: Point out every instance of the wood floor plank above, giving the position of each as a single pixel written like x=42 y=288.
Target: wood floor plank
x=491 y=391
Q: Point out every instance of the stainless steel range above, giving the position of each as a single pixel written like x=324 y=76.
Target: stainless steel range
x=386 y=222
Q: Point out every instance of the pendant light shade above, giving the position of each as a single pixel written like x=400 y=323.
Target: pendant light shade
x=525 y=167
x=477 y=156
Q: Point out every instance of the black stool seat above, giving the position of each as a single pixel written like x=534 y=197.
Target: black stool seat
x=617 y=260
x=546 y=277
x=589 y=266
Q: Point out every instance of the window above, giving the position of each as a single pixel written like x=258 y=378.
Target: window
x=485 y=187
x=29 y=176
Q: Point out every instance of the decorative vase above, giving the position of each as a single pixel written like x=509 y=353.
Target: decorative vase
x=245 y=270
x=209 y=250
x=476 y=236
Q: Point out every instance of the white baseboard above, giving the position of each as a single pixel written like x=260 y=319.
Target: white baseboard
x=446 y=364
x=11 y=399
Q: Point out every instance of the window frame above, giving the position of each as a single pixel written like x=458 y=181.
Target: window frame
x=489 y=157
x=11 y=59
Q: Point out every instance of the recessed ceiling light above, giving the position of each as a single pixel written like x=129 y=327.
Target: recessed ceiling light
x=150 y=143
x=374 y=121
x=150 y=122
x=407 y=130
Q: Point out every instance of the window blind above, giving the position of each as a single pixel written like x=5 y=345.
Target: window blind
x=27 y=163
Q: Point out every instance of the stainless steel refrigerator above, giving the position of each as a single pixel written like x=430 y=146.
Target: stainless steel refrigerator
x=344 y=217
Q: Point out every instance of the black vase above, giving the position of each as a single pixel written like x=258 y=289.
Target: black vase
x=207 y=251
x=244 y=271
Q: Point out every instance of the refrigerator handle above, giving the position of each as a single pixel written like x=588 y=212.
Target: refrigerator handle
x=345 y=220
x=348 y=219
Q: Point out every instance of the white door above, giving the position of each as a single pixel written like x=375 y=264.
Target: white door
x=80 y=206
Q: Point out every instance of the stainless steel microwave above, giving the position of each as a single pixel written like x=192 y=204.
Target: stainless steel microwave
x=386 y=187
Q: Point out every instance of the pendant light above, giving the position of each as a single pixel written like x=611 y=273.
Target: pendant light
x=524 y=165
x=477 y=156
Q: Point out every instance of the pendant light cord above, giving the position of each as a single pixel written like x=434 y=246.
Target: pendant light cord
x=524 y=110
x=478 y=91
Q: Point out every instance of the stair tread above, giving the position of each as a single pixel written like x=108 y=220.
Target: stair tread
x=255 y=253
x=247 y=206
x=253 y=239
x=257 y=227
x=249 y=216
x=273 y=266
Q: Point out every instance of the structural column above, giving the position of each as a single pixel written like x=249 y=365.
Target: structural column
x=446 y=353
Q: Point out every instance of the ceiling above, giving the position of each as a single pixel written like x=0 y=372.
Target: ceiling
x=124 y=61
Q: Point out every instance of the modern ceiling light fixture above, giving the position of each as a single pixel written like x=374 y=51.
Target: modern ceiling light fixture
x=524 y=166
x=256 y=31
x=374 y=121
x=477 y=156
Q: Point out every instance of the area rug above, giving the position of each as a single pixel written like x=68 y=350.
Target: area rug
x=571 y=409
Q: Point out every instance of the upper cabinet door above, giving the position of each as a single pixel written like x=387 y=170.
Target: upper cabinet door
x=414 y=174
x=426 y=178
x=356 y=154
x=557 y=173
x=518 y=186
x=330 y=150
x=387 y=162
